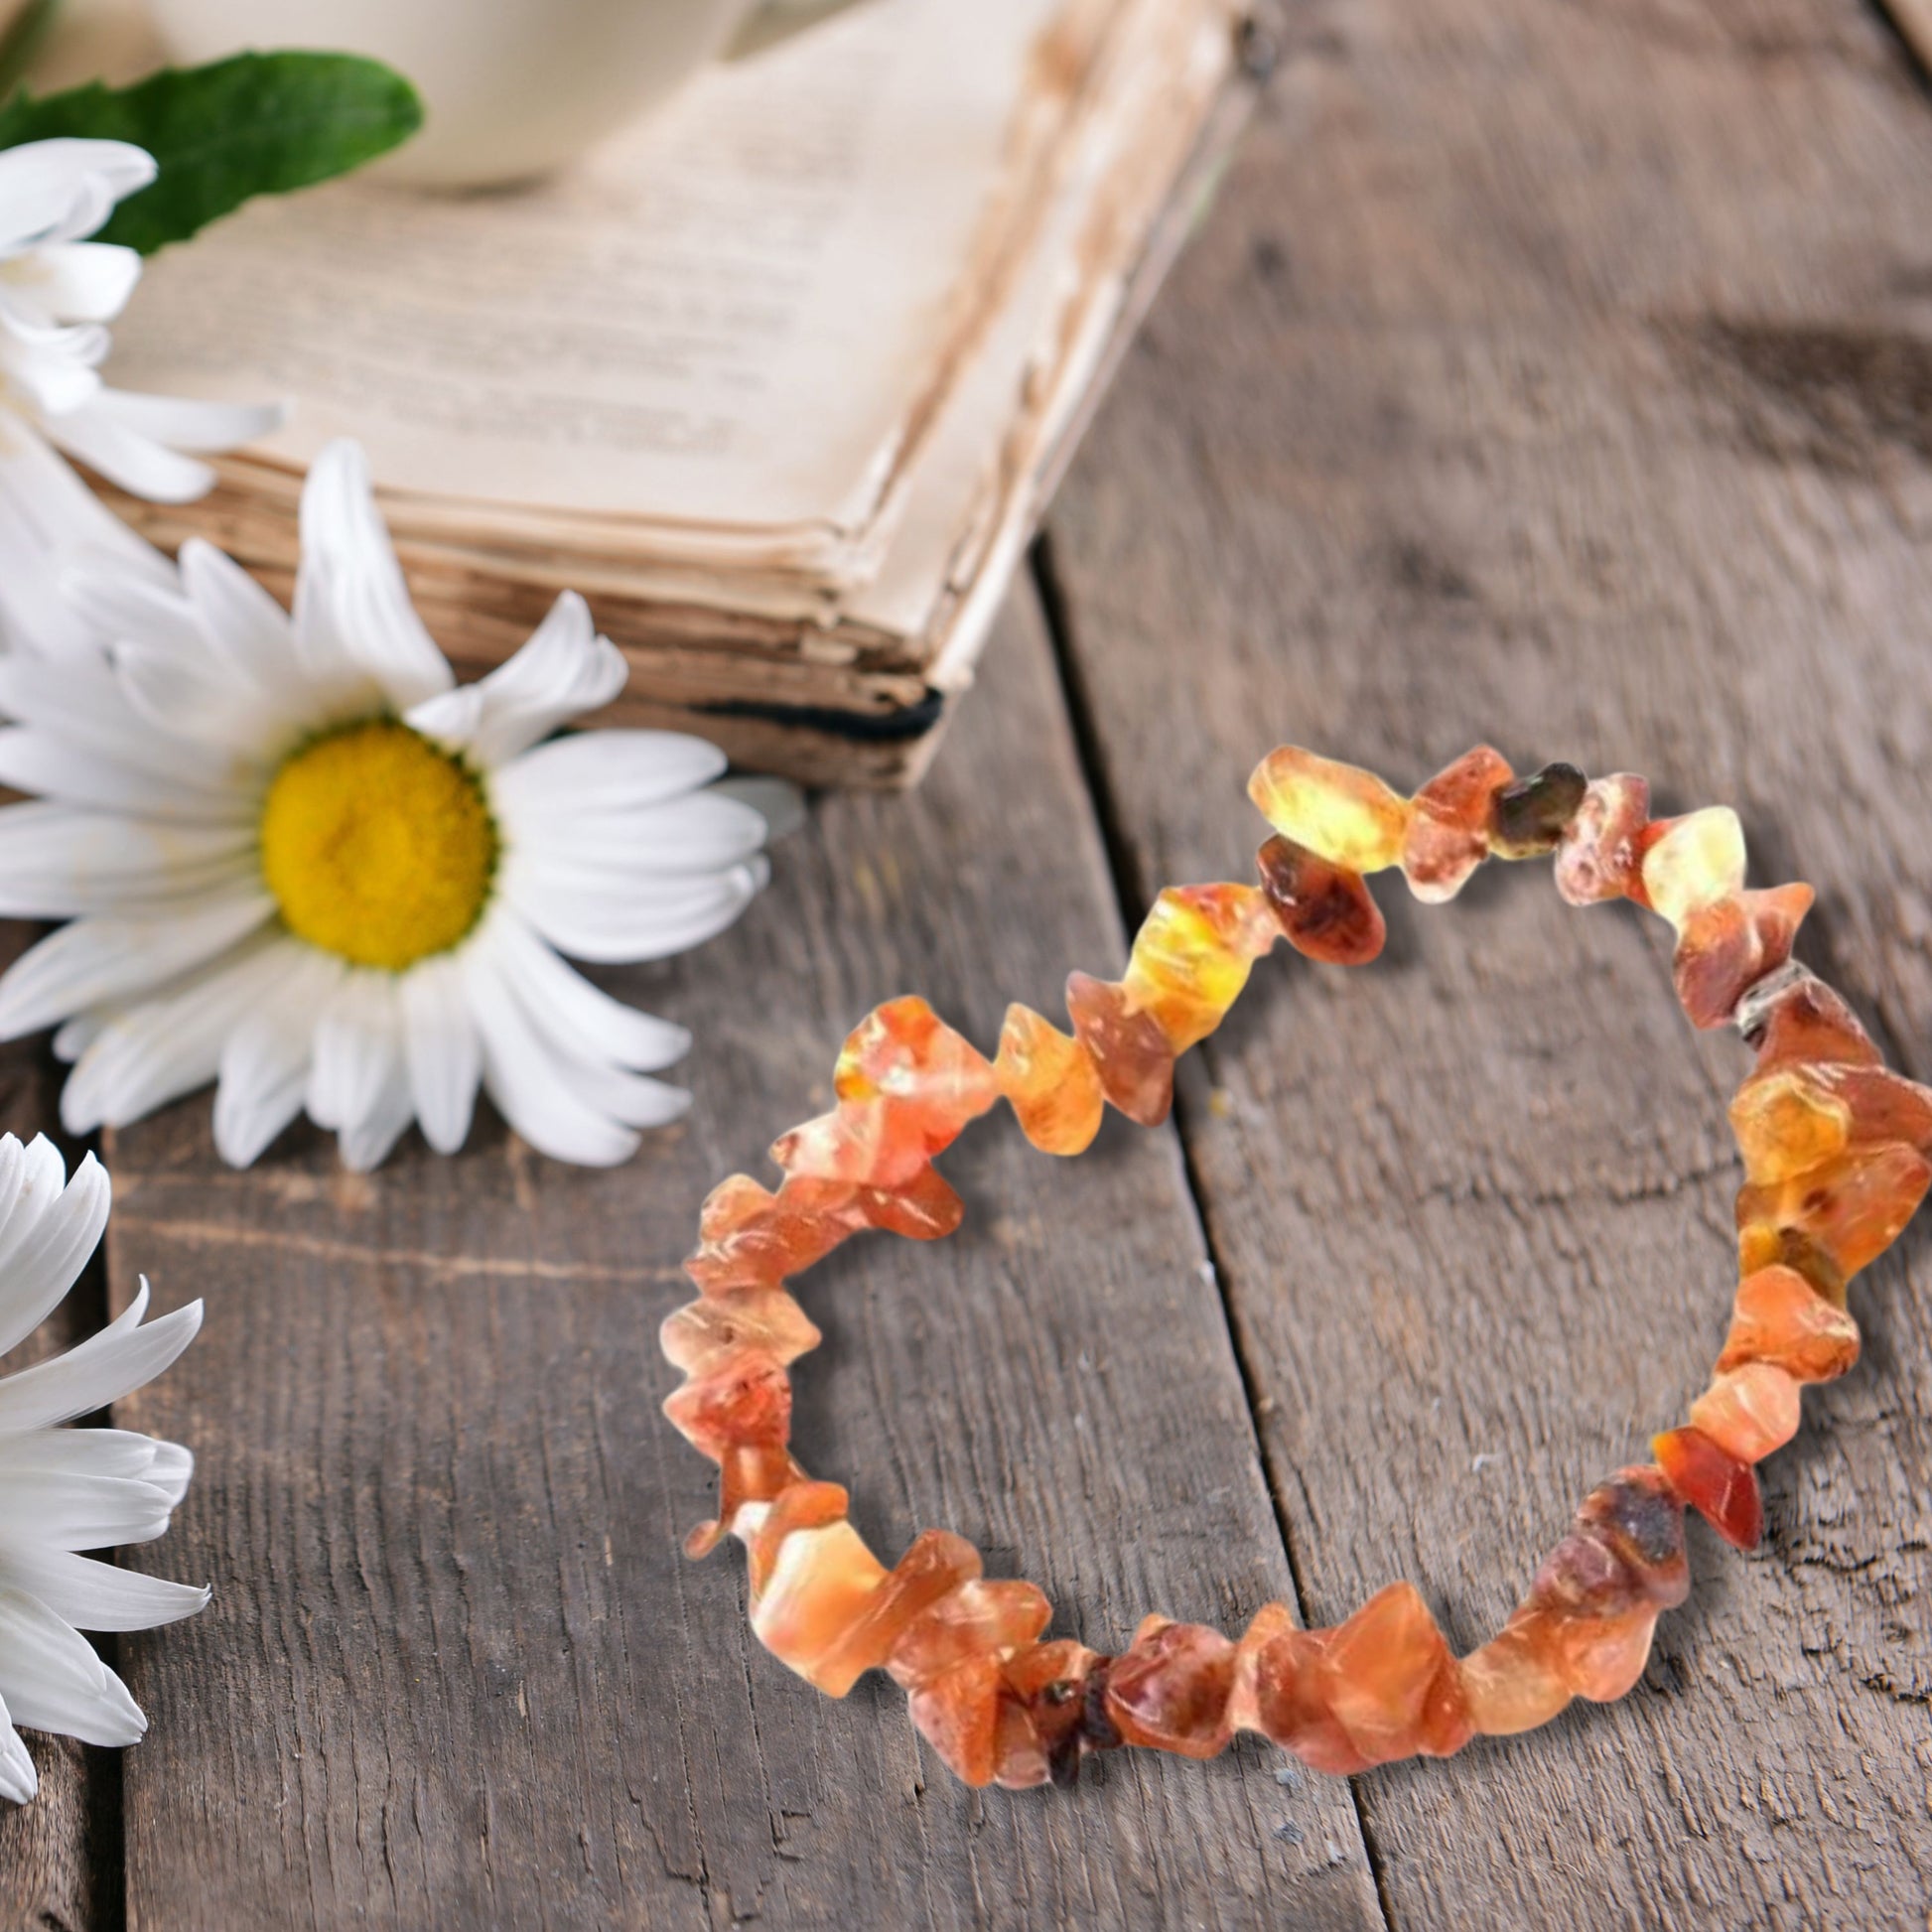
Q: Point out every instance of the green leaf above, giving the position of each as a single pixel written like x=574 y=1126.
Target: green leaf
x=255 y=124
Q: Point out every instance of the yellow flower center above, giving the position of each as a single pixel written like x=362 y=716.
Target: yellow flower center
x=377 y=845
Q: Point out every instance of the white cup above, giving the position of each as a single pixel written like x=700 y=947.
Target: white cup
x=512 y=88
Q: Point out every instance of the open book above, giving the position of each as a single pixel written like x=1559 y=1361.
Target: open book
x=778 y=382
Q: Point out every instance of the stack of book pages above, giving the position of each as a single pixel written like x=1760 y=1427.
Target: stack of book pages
x=779 y=381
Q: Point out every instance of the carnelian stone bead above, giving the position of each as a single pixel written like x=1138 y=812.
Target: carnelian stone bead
x=1598 y=856
x=1129 y=1049
x=1594 y=1657
x=1170 y=1689
x=1529 y=817
x=817 y=1577
x=1050 y=1082
x=1715 y=1484
x=936 y=1565
x=978 y=1618
x=749 y=1473
x=1340 y=812
x=1392 y=1683
x=925 y=1208
x=1795 y=1018
x=958 y=1714
x=903 y=1052
x=1327 y=912
x=1884 y=1106
x=1779 y=1318
x=1725 y=948
x=1749 y=1411
x=1449 y=828
x=745 y=1403
x=1514 y=1681
x=800 y=1506
x=871 y=1142
x=1192 y=955
x=1851 y=1209
x=1272 y=1620
x=1291 y=1687
x=1639 y=1518
x=701 y=1334
x=749 y=1238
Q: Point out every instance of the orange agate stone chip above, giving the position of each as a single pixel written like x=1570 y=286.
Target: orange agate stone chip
x=1836 y=1151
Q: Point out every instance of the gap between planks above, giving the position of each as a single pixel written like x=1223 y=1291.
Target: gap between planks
x=1134 y=895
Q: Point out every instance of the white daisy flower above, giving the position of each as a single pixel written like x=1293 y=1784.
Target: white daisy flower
x=71 y=1489
x=298 y=857
x=58 y=291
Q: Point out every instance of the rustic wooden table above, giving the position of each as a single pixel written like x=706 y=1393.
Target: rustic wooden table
x=1553 y=373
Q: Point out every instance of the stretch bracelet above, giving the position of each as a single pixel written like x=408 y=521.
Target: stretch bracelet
x=1833 y=1150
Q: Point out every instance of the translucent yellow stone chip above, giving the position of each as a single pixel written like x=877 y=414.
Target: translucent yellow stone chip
x=1697 y=861
x=1786 y=1125
x=1340 y=812
x=1189 y=966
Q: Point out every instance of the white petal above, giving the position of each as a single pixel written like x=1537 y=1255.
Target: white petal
x=522 y=1077
x=77 y=281
x=244 y=627
x=364 y=1142
x=140 y=466
x=681 y=838
x=44 y=761
x=80 y=700
x=90 y=1452
x=188 y=422
x=49 y=188
x=640 y=923
x=352 y=587
x=18 y=1778
x=97 y=960
x=60 y=1511
x=40 y=1263
x=52 y=1681
x=607 y=771
x=158 y=1051
x=48 y=515
x=206 y=704
x=356 y=1043
x=264 y=1068
x=444 y=1055
x=94 y=1595
x=30 y=1180
x=579 y=1016
x=170 y=1472
x=126 y=606
x=124 y=1356
x=563 y=669
x=56 y=862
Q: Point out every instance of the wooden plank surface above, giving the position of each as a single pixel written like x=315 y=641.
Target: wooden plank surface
x=456 y=1672
x=1556 y=375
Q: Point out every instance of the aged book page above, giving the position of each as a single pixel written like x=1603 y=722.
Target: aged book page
x=726 y=324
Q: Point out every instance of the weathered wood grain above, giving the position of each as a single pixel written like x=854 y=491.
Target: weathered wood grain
x=1559 y=375
x=458 y=1673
